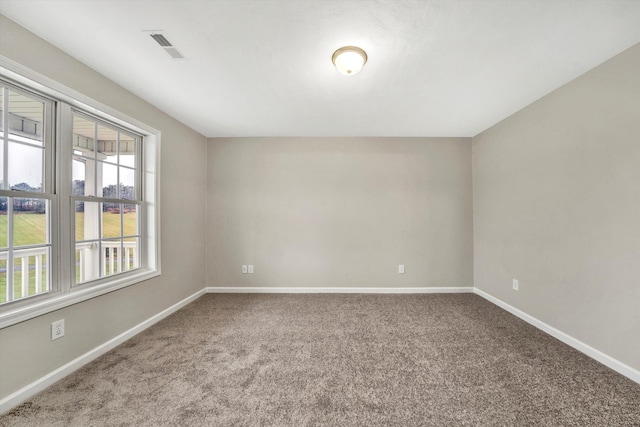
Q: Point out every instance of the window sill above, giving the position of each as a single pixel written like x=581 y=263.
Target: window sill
x=38 y=306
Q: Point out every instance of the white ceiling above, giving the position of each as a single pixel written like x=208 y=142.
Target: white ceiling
x=263 y=67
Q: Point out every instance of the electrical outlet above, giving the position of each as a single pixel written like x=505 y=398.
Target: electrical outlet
x=244 y=269
x=250 y=269
x=515 y=284
x=57 y=329
x=401 y=269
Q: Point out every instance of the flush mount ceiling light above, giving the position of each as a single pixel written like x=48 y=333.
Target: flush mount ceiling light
x=349 y=60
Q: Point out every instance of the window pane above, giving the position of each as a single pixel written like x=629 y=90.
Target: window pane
x=87 y=261
x=127 y=184
x=26 y=118
x=43 y=283
x=109 y=184
x=111 y=257
x=25 y=167
x=130 y=253
x=29 y=221
x=1 y=110
x=130 y=220
x=4 y=289
x=87 y=220
x=2 y=186
x=4 y=239
x=30 y=272
x=107 y=144
x=79 y=220
x=111 y=220
x=79 y=178
x=127 y=150
x=83 y=136
x=16 y=277
x=78 y=263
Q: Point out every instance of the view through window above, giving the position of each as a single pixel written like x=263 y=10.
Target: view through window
x=74 y=210
x=25 y=193
x=105 y=189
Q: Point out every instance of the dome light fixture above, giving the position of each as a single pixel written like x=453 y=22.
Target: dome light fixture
x=349 y=60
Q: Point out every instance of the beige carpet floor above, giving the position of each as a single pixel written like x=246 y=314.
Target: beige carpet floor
x=338 y=360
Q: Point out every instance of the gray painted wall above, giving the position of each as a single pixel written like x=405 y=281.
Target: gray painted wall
x=26 y=352
x=340 y=212
x=557 y=205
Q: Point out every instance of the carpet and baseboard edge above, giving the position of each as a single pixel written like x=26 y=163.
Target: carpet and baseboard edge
x=608 y=361
x=42 y=383
x=337 y=290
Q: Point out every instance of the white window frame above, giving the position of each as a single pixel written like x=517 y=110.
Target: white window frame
x=64 y=292
x=66 y=117
x=47 y=193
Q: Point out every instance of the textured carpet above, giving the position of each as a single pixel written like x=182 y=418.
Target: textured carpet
x=339 y=360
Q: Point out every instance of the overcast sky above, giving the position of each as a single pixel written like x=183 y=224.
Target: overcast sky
x=25 y=165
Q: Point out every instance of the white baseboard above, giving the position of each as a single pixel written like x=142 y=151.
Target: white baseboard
x=605 y=359
x=40 y=384
x=334 y=290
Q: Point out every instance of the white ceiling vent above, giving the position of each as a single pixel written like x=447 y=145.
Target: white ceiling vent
x=161 y=38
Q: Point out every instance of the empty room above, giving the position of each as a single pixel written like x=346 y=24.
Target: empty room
x=320 y=212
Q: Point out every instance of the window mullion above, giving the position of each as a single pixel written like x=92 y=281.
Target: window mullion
x=5 y=137
x=10 y=261
x=52 y=214
x=118 y=167
x=65 y=205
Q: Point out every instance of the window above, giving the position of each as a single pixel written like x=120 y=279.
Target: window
x=105 y=192
x=25 y=194
x=78 y=197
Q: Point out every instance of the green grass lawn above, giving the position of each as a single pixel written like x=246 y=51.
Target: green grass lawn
x=30 y=229
x=110 y=225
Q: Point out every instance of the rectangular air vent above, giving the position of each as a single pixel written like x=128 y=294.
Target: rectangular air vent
x=161 y=38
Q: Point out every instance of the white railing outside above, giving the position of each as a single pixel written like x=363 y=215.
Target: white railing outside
x=115 y=259
x=128 y=258
x=112 y=261
x=23 y=255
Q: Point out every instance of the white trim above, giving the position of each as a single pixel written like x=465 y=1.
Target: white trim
x=334 y=290
x=42 y=383
x=601 y=357
x=32 y=307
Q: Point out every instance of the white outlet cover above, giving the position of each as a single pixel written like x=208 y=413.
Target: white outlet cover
x=57 y=329
x=244 y=269
x=515 y=284
x=401 y=269
x=250 y=269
